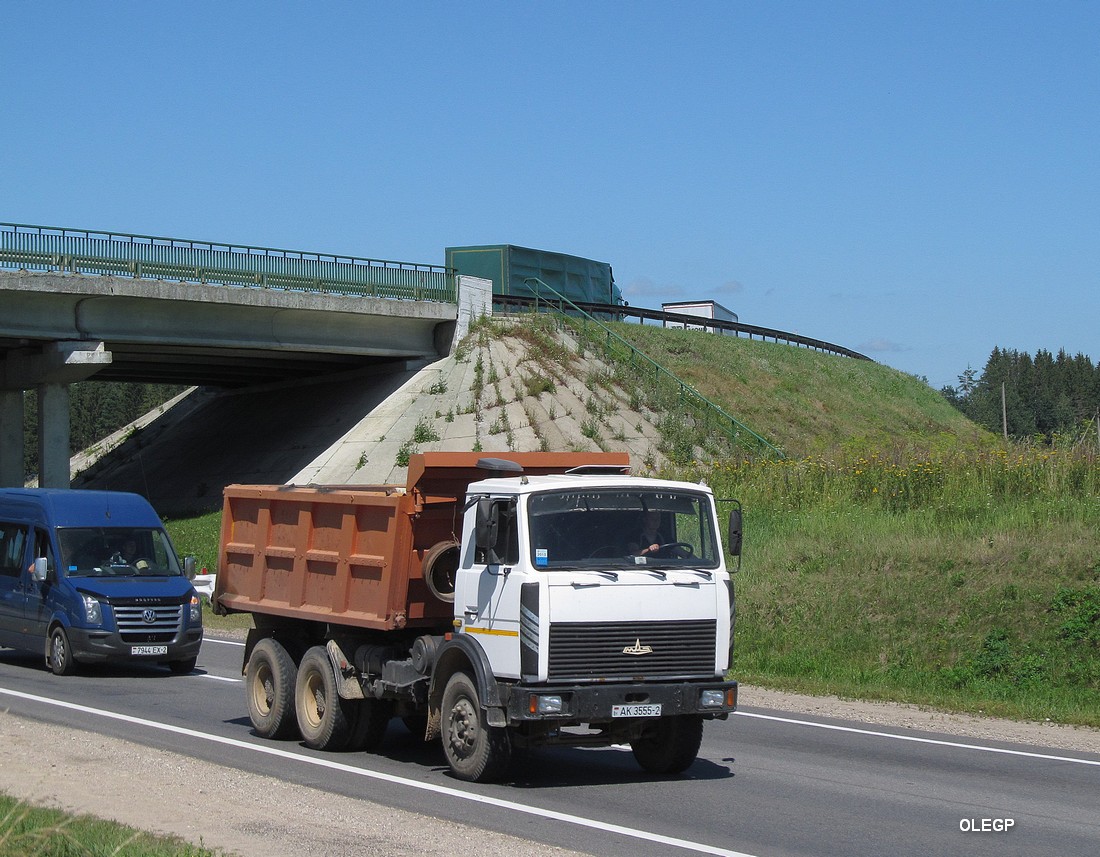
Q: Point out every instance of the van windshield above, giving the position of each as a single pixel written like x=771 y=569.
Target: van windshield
x=612 y=528
x=116 y=551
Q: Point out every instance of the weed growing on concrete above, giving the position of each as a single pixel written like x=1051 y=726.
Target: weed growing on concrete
x=438 y=388
x=424 y=432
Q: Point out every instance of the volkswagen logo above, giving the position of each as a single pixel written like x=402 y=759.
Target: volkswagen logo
x=148 y=615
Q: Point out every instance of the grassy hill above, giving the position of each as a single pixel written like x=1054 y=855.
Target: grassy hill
x=804 y=401
x=898 y=551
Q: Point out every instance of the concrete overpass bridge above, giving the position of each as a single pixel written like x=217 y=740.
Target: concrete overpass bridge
x=76 y=305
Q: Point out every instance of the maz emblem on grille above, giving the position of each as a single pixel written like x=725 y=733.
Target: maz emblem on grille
x=638 y=649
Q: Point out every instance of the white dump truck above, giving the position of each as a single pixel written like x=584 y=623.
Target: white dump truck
x=495 y=603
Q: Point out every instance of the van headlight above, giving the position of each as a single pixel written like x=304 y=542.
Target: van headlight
x=196 y=610
x=93 y=613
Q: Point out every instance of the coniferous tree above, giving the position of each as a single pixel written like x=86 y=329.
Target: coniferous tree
x=1044 y=395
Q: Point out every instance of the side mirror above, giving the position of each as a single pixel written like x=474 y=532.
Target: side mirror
x=735 y=533
x=190 y=564
x=39 y=572
x=487 y=524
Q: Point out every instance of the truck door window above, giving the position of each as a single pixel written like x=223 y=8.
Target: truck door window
x=505 y=551
x=13 y=543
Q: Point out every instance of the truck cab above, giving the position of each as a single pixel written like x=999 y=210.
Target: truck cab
x=604 y=609
x=91 y=576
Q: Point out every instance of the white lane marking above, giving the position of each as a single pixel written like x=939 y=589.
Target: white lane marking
x=221 y=678
x=919 y=740
x=549 y=814
x=206 y=639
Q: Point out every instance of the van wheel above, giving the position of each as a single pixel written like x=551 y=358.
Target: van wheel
x=670 y=745
x=322 y=715
x=269 y=683
x=476 y=751
x=59 y=654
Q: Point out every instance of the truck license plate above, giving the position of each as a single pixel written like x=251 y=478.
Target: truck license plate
x=635 y=710
x=148 y=650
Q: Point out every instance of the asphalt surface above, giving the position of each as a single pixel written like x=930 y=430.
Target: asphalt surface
x=767 y=783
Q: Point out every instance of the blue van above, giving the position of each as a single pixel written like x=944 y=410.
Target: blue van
x=91 y=576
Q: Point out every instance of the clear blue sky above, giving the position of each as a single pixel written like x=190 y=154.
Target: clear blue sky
x=919 y=181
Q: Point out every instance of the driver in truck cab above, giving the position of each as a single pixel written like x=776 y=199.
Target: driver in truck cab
x=650 y=538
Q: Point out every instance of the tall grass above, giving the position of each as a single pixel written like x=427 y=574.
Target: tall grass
x=968 y=579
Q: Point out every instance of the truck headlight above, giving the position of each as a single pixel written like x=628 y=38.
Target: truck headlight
x=196 y=610
x=712 y=699
x=93 y=614
x=550 y=704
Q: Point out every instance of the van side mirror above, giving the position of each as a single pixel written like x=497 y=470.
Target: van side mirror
x=39 y=571
x=190 y=564
x=735 y=532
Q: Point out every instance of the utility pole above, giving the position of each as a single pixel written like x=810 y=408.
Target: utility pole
x=1004 y=411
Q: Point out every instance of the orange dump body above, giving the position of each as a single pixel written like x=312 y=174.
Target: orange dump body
x=354 y=555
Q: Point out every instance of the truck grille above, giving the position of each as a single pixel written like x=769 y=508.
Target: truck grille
x=632 y=650
x=151 y=623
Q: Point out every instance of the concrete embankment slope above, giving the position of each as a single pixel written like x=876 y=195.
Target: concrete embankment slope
x=497 y=392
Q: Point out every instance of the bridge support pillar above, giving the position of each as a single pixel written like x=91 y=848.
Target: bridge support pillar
x=53 y=436
x=49 y=370
x=11 y=438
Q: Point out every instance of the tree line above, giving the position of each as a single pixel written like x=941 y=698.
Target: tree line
x=1042 y=396
x=96 y=408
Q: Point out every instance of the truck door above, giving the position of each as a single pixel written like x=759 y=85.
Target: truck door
x=486 y=591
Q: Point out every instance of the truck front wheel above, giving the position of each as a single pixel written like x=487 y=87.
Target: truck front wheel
x=669 y=745
x=475 y=751
x=322 y=718
x=269 y=679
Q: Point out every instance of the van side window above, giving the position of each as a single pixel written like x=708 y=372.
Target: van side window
x=13 y=543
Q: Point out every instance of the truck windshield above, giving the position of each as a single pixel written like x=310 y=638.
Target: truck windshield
x=116 y=551
x=610 y=528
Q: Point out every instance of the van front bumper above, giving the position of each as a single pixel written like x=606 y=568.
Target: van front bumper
x=92 y=645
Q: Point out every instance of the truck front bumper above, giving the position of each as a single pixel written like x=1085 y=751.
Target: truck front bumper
x=587 y=703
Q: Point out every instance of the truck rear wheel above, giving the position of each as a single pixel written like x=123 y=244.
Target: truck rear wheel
x=669 y=745
x=322 y=715
x=476 y=751
x=269 y=683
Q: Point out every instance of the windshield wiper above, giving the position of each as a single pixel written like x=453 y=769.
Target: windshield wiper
x=611 y=575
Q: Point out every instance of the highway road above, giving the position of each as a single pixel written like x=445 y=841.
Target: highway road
x=767 y=784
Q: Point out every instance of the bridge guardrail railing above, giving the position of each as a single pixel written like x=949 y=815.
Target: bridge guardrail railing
x=47 y=248
x=621 y=312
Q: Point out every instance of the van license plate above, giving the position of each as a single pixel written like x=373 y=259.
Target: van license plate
x=635 y=710
x=148 y=650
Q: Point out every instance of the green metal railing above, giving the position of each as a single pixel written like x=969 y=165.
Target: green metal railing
x=80 y=251
x=619 y=348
